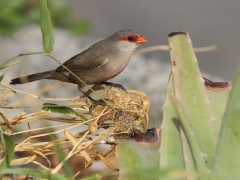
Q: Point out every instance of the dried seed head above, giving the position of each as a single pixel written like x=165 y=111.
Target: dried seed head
x=128 y=112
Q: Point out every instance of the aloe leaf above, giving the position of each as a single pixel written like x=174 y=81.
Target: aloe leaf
x=62 y=109
x=218 y=97
x=46 y=27
x=191 y=137
x=189 y=90
x=138 y=157
x=189 y=161
x=227 y=156
x=171 y=143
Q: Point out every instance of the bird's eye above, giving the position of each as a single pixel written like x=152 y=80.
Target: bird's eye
x=130 y=38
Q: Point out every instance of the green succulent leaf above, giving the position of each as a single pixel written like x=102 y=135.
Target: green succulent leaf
x=190 y=90
x=135 y=158
x=171 y=142
x=227 y=156
x=218 y=101
x=191 y=136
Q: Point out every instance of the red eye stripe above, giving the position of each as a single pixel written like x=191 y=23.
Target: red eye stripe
x=134 y=38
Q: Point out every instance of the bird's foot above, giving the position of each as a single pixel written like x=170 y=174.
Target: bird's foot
x=114 y=85
x=96 y=102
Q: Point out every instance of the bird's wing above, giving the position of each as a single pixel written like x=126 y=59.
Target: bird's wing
x=93 y=57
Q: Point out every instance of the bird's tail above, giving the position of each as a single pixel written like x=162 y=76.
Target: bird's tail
x=32 y=77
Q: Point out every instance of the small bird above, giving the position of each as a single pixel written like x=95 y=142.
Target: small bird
x=97 y=64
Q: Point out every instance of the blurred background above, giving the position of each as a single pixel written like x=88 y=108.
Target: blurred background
x=208 y=22
x=78 y=24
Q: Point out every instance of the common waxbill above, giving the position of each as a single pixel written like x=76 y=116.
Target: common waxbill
x=97 y=64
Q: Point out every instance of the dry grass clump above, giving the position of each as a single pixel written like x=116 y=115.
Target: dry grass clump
x=76 y=139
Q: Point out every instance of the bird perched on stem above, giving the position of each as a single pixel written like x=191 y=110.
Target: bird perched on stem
x=97 y=64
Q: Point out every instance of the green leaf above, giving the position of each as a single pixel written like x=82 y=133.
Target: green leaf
x=134 y=157
x=218 y=102
x=35 y=173
x=46 y=27
x=61 y=109
x=9 y=151
x=191 y=136
x=1 y=77
x=171 y=145
x=190 y=91
x=226 y=165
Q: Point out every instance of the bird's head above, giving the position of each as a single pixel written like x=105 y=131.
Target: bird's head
x=127 y=40
x=131 y=37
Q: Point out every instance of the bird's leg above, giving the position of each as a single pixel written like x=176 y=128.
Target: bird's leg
x=94 y=101
x=114 y=85
x=96 y=87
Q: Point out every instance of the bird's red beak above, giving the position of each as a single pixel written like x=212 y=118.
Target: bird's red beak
x=141 y=40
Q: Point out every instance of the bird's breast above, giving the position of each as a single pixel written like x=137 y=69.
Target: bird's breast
x=115 y=67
